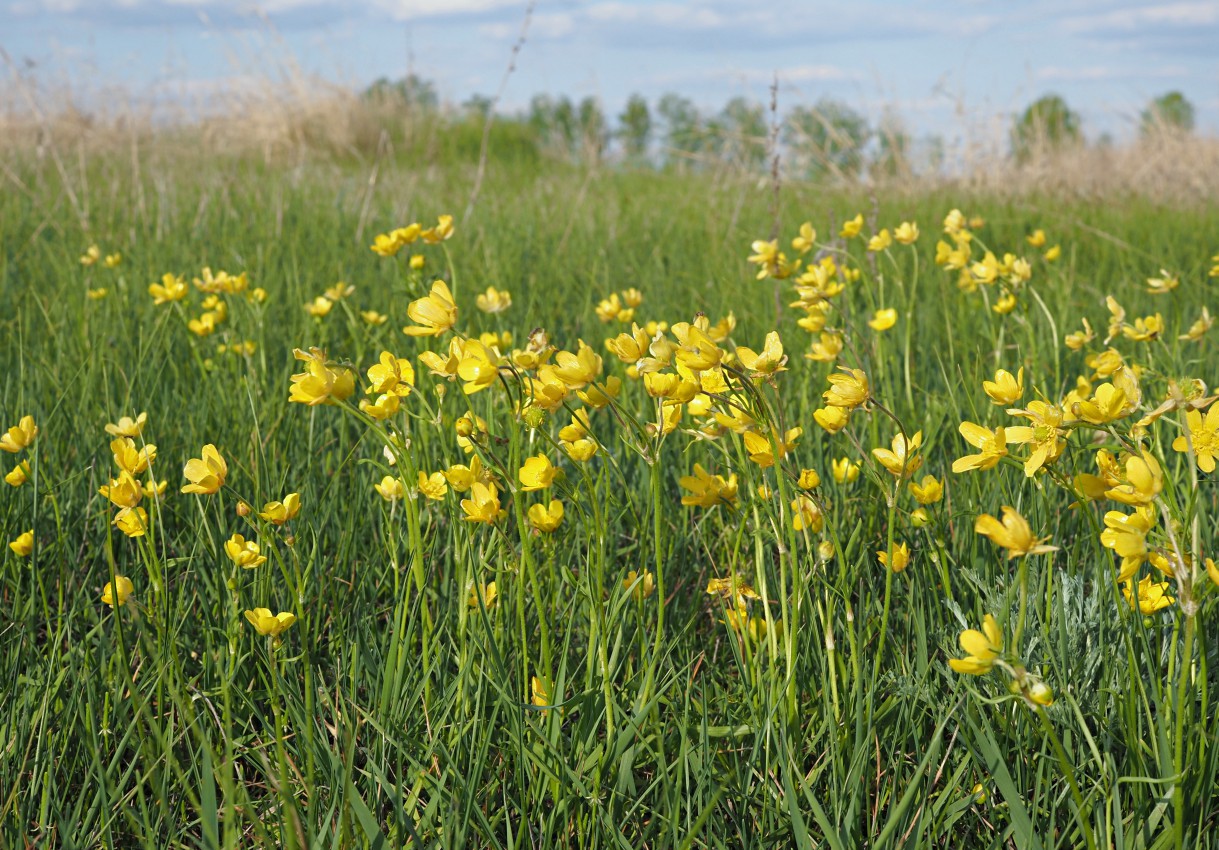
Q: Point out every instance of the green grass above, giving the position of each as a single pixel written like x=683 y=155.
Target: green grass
x=394 y=713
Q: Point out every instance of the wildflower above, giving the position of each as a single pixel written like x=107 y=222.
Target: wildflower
x=23 y=545
x=1199 y=328
x=442 y=231
x=383 y=407
x=768 y=362
x=130 y=459
x=1149 y=597
x=707 y=490
x=433 y=314
x=598 y=397
x=852 y=228
x=117 y=593
x=433 y=486
x=483 y=504
x=1126 y=535
x=493 y=300
x=1144 y=481
x=901 y=460
x=826 y=349
x=246 y=554
x=461 y=477
x=20 y=436
x=575 y=371
x=278 y=513
x=832 y=419
x=880 y=241
x=133 y=522
x=1163 y=284
x=127 y=427
x=993 y=446
x=1203 y=437
x=537 y=474
x=124 y=491
x=640 y=586
x=580 y=450
x=1036 y=239
x=1013 y=534
x=18 y=475
x=206 y=474
x=983 y=647
x=906 y=233
x=1005 y=303
x=806 y=514
x=1053 y=254
x=320 y=383
x=697 y=351
x=546 y=518
x=391 y=489
x=1045 y=434
x=479 y=366
x=809 y=479
x=487 y=593
x=372 y=317
x=540 y=689
x=732 y=589
x=896 y=559
x=268 y=624
x=882 y=320
x=1005 y=389
x=154 y=490
x=1078 y=339
x=845 y=470
x=97 y=293
x=928 y=491
x=1145 y=328
x=761 y=451
x=848 y=389
x=319 y=307
x=919 y=518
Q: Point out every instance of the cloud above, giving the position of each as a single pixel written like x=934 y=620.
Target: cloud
x=548 y=25
x=1137 y=19
x=1104 y=73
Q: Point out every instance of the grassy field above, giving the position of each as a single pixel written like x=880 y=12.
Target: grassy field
x=766 y=681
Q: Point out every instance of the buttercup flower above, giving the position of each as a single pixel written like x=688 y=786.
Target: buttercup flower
x=23 y=545
x=277 y=513
x=1013 y=534
x=205 y=474
x=20 y=436
x=983 y=647
x=268 y=624
x=546 y=518
x=433 y=314
x=116 y=593
x=246 y=554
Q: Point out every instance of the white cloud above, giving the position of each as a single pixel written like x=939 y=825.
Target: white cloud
x=1105 y=73
x=404 y=10
x=541 y=25
x=1133 y=20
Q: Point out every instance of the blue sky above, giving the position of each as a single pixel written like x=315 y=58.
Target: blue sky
x=946 y=67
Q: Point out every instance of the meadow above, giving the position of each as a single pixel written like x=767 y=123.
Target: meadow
x=668 y=542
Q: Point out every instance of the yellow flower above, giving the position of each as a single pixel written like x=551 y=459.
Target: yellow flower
x=246 y=554
x=381 y=408
x=954 y=222
x=1013 y=534
x=848 y=389
x=806 y=514
x=1005 y=389
x=707 y=490
x=1163 y=284
x=540 y=689
x=1126 y=535
x=433 y=486
x=130 y=459
x=832 y=419
x=339 y=291
x=1053 y=254
x=809 y=479
x=852 y=228
x=906 y=233
x=1203 y=437
x=732 y=589
x=928 y=491
x=277 y=513
x=1144 y=481
x=433 y=314
x=206 y=474
x=493 y=300
x=488 y=593
x=92 y=255
x=483 y=504
x=1036 y=239
x=1078 y=339
x=1199 y=328
x=993 y=446
x=826 y=349
x=639 y=586
x=23 y=545
x=760 y=450
x=598 y=397
x=20 y=436
x=132 y=521
x=767 y=362
x=807 y=238
x=97 y=293
x=391 y=374
x=882 y=320
x=1150 y=597
x=268 y=624
x=127 y=427
x=390 y=488
x=845 y=470
x=372 y=317
x=18 y=475
x=880 y=241
x=124 y=587
x=899 y=560
x=538 y=473
x=575 y=371
x=1145 y=328
x=479 y=366
x=1105 y=406
x=319 y=307
x=442 y=231
x=1045 y=434
x=901 y=461
x=546 y=518
x=124 y=491
x=983 y=647
x=320 y=383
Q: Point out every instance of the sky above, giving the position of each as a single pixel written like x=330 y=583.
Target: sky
x=944 y=67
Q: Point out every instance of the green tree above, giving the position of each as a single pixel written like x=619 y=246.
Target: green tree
x=893 y=154
x=741 y=133
x=826 y=139
x=594 y=130
x=635 y=128
x=683 y=128
x=1048 y=123
x=1171 y=111
x=411 y=90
